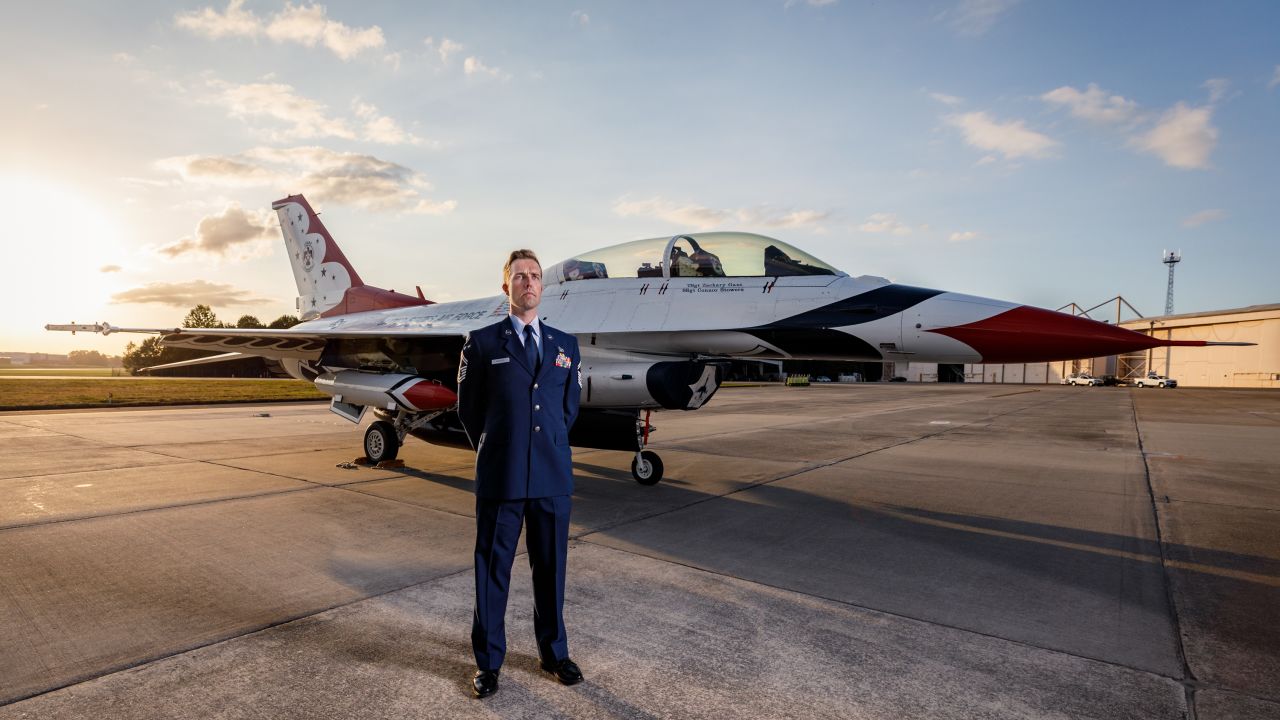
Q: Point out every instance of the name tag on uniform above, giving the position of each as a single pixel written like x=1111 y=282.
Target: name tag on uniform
x=499 y=361
x=563 y=361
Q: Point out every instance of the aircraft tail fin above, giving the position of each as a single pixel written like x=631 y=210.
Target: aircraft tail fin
x=328 y=284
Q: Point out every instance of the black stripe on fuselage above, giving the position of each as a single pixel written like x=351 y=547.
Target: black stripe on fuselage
x=817 y=344
x=862 y=308
x=810 y=334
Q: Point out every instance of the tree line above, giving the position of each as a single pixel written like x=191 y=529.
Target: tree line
x=152 y=352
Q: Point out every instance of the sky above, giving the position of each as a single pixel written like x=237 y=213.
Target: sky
x=1038 y=152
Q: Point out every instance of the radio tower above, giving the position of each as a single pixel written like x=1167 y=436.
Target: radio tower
x=1171 y=258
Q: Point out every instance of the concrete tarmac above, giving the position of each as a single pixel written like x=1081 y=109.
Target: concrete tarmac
x=837 y=551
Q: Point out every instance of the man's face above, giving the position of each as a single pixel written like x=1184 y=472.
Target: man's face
x=525 y=288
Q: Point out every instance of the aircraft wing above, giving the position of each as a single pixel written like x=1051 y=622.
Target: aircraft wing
x=277 y=344
x=209 y=360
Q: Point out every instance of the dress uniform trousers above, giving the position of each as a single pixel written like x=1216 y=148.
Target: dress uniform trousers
x=498 y=522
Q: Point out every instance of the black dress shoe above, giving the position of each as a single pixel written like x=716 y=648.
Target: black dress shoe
x=566 y=671
x=484 y=683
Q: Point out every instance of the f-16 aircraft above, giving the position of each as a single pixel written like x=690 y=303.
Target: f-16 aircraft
x=657 y=321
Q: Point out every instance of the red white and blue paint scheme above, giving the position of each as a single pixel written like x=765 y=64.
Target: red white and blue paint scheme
x=656 y=321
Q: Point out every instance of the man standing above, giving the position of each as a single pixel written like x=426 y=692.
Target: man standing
x=518 y=388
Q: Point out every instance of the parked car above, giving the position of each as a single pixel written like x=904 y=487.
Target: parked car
x=1081 y=379
x=1155 y=380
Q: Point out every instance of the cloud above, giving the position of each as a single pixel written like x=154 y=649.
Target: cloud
x=324 y=175
x=110 y=269
x=975 y=17
x=1217 y=88
x=448 y=48
x=1202 y=217
x=188 y=294
x=700 y=217
x=965 y=236
x=1011 y=139
x=1275 y=79
x=235 y=22
x=580 y=17
x=223 y=171
x=946 y=99
x=233 y=230
x=304 y=118
x=697 y=216
x=473 y=66
x=1093 y=104
x=884 y=223
x=780 y=218
x=1184 y=137
x=307 y=25
x=382 y=129
x=810 y=3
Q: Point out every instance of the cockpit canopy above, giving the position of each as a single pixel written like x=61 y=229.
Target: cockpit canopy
x=710 y=254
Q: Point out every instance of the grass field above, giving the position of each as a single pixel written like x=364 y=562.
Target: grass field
x=40 y=393
x=77 y=371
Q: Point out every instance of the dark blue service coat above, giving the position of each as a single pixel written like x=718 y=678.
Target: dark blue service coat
x=518 y=422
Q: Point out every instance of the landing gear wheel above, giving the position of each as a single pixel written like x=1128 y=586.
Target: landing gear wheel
x=381 y=443
x=646 y=467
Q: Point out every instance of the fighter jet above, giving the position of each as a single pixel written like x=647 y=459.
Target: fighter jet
x=657 y=321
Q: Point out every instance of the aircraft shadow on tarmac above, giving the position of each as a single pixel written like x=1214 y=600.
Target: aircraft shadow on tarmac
x=939 y=528
x=1097 y=594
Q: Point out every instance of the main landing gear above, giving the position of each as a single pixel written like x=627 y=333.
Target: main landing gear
x=381 y=442
x=384 y=437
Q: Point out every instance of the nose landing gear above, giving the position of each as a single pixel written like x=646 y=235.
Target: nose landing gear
x=646 y=467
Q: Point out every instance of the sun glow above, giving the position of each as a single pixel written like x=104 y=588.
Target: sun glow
x=57 y=243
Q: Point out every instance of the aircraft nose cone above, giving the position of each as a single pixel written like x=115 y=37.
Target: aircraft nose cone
x=1029 y=334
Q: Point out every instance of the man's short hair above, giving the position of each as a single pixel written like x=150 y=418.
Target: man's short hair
x=517 y=255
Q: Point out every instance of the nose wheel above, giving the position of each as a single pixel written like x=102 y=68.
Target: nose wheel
x=646 y=467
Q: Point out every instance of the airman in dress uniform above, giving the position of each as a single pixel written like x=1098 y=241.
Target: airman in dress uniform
x=518 y=387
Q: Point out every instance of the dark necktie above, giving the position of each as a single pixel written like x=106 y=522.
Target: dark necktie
x=531 y=353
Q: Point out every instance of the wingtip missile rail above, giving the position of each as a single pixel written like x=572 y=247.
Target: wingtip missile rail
x=103 y=328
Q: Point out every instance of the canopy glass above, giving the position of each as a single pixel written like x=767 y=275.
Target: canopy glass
x=711 y=254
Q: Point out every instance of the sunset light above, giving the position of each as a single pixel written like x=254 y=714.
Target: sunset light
x=68 y=252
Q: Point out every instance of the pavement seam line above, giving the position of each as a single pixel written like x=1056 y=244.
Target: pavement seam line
x=177 y=461
x=1206 y=503
x=139 y=511
x=1188 y=678
x=310 y=485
